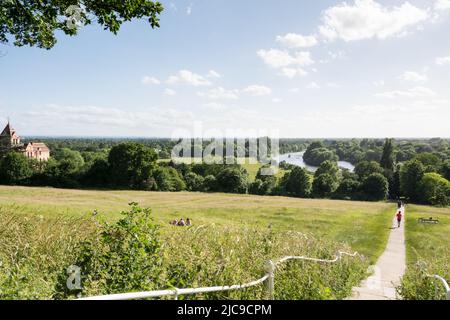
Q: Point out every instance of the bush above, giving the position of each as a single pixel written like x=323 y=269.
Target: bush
x=122 y=257
x=417 y=285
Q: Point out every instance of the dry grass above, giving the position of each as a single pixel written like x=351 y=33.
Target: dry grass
x=362 y=225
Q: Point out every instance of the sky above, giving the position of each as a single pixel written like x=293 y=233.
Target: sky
x=286 y=68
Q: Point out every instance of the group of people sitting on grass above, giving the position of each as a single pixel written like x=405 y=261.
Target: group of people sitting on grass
x=181 y=222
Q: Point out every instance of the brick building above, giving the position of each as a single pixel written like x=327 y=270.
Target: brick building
x=11 y=141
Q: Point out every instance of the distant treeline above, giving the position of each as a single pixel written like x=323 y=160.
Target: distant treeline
x=417 y=170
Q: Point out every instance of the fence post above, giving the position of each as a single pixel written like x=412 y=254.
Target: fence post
x=270 y=268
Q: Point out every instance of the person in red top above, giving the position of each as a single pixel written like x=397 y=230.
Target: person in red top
x=399 y=218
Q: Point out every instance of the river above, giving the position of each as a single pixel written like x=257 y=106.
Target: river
x=297 y=159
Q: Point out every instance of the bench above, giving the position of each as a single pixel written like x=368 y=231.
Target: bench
x=429 y=220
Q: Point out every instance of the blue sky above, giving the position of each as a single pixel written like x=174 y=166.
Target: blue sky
x=292 y=68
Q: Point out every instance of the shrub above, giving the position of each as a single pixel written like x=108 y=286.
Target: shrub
x=416 y=283
x=123 y=256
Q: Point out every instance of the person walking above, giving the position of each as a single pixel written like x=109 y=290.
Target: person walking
x=399 y=218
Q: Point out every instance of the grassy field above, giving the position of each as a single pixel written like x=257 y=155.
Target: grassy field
x=428 y=252
x=363 y=226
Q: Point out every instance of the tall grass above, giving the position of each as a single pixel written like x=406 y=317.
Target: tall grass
x=428 y=253
x=36 y=251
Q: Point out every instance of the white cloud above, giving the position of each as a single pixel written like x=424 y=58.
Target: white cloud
x=293 y=40
x=169 y=92
x=416 y=92
x=367 y=19
x=219 y=93
x=257 y=90
x=213 y=74
x=214 y=106
x=189 y=10
x=277 y=100
x=442 y=5
x=189 y=78
x=379 y=83
x=440 y=61
x=91 y=119
x=413 y=77
x=281 y=58
x=150 y=80
x=293 y=72
x=312 y=85
x=333 y=85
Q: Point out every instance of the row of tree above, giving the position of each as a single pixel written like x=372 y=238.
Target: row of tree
x=132 y=165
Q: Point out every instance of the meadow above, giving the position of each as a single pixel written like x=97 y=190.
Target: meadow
x=427 y=252
x=233 y=236
x=361 y=225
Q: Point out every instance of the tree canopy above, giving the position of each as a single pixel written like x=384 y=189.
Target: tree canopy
x=34 y=22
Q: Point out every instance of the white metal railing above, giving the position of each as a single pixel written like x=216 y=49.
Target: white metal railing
x=269 y=276
x=444 y=283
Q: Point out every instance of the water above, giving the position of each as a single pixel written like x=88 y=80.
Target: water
x=297 y=160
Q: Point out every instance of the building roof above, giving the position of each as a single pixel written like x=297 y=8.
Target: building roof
x=38 y=145
x=8 y=131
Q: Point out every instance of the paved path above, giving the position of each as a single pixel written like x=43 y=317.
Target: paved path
x=388 y=270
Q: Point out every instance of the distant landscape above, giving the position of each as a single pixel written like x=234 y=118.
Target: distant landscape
x=95 y=180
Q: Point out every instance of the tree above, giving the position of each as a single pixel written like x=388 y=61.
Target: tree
x=435 y=189
x=210 y=183
x=375 y=187
x=431 y=162
x=131 y=164
x=168 y=179
x=98 y=173
x=365 y=168
x=34 y=22
x=14 y=168
x=445 y=170
x=324 y=185
x=326 y=179
x=387 y=158
x=411 y=174
x=263 y=187
x=316 y=153
x=348 y=189
x=194 y=182
x=232 y=180
x=70 y=162
x=328 y=167
x=297 y=183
